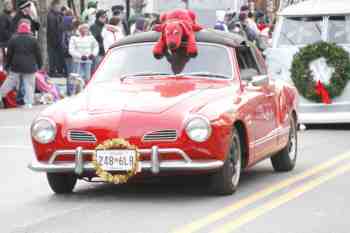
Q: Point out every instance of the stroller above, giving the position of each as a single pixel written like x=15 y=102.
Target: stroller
x=9 y=100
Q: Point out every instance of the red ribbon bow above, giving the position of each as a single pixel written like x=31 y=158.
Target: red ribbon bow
x=322 y=91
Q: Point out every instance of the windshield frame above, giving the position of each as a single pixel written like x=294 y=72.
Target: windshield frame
x=228 y=49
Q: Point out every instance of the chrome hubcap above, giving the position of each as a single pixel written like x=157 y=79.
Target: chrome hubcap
x=236 y=153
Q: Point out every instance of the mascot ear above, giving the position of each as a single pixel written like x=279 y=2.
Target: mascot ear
x=163 y=17
x=186 y=30
x=158 y=28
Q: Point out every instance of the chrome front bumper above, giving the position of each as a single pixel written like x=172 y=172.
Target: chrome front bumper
x=155 y=165
x=317 y=113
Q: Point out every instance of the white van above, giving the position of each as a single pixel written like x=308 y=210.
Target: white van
x=303 y=24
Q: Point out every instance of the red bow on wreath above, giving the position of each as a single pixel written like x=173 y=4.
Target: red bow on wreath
x=323 y=92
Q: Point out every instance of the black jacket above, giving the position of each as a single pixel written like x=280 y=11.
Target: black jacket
x=54 y=29
x=5 y=28
x=96 y=31
x=19 y=15
x=23 y=54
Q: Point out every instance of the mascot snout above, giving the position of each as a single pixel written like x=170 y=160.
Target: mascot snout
x=173 y=34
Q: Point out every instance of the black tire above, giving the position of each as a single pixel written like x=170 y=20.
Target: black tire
x=285 y=160
x=61 y=183
x=226 y=180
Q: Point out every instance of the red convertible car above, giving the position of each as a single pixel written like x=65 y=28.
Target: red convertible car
x=214 y=114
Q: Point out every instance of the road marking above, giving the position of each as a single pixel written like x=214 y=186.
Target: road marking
x=224 y=212
x=273 y=204
x=24 y=147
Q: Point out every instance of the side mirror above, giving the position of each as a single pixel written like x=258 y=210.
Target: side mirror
x=259 y=81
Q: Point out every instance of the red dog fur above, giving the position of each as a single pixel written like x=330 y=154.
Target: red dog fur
x=176 y=26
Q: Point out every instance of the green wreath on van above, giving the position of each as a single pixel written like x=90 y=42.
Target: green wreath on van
x=302 y=77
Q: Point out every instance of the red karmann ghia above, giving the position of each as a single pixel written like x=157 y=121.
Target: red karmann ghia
x=217 y=113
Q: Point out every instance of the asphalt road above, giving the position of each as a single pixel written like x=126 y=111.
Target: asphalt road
x=311 y=199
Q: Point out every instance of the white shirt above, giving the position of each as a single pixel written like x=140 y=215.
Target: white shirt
x=110 y=37
x=83 y=46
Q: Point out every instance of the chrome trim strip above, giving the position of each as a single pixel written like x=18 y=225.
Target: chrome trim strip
x=84 y=136
x=161 y=135
x=281 y=131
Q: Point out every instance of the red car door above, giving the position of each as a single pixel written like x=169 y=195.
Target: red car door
x=263 y=104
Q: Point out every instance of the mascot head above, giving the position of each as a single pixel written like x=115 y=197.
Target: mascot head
x=173 y=33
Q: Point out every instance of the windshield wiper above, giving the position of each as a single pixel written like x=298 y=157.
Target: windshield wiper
x=144 y=74
x=206 y=74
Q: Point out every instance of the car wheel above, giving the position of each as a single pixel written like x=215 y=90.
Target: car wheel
x=61 y=183
x=225 y=181
x=286 y=159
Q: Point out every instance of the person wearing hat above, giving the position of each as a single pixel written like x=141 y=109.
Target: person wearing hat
x=118 y=11
x=25 y=11
x=96 y=31
x=54 y=40
x=5 y=29
x=23 y=60
x=89 y=14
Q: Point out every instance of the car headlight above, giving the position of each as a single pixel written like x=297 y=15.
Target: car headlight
x=44 y=130
x=198 y=129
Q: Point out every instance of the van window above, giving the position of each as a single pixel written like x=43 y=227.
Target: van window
x=300 y=31
x=339 y=29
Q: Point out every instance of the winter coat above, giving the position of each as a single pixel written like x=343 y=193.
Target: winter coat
x=110 y=37
x=96 y=31
x=67 y=34
x=83 y=46
x=5 y=28
x=19 y=15
x=23 y=54
x=54 y=29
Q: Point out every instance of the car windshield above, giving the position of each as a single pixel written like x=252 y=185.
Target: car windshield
x=205 y=9
x=138 y=60
x=339 y=29
x=300 y=31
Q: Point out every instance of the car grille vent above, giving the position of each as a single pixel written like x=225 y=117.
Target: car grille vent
x=81 y=136
x=162 y=135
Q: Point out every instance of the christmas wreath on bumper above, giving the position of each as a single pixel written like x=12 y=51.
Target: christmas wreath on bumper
x=116 y=144
x=328 y=78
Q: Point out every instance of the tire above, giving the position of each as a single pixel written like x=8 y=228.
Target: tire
x=286 y=159
x=61 y=183
x=226 y=180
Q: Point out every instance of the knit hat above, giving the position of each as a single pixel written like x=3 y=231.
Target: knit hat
x=24 y=4
x=100 y=13
x=23 y=28
x=117 y=9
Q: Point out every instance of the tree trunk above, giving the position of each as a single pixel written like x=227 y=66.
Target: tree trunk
x=42 y=12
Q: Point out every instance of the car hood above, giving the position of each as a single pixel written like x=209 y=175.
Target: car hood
x=150 y=95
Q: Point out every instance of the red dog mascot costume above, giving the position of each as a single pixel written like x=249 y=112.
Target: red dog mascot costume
x=176 y=26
